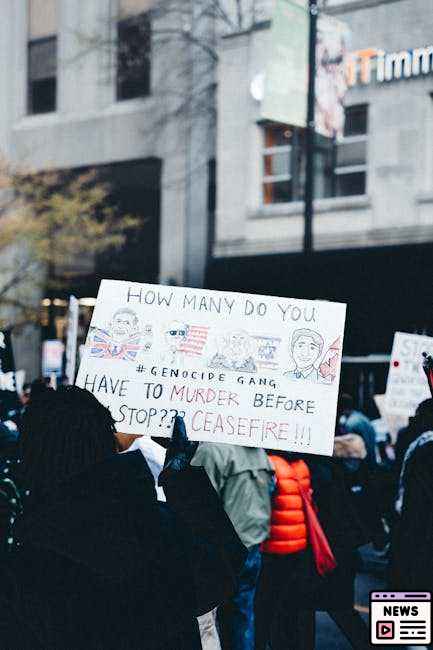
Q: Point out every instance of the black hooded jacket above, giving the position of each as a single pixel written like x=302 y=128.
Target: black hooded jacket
x=99 y=564
x=412 y=545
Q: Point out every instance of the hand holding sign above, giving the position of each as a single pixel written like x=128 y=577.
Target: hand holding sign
x=179 y=452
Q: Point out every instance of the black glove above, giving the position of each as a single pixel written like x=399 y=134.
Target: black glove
x=179 y=453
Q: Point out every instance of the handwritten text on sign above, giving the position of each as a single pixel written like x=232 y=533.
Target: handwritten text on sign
x=407 y=384
x=251 y=370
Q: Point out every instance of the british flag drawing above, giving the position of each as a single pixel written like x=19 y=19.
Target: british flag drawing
x=195 y=340
x=104 y=347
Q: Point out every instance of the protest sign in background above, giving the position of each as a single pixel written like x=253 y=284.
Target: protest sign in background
x=243 y=369
x=52 y=358
x=391 y=423
x=407 y=384
x=71 y=339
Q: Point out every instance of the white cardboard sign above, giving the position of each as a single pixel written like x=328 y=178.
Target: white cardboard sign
x=407 y=384
x=244 y=369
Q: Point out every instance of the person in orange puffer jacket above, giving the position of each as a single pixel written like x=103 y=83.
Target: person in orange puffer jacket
x=285 y=558
x=290 y=589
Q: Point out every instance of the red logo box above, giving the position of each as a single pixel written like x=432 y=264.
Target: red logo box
x=385 y=629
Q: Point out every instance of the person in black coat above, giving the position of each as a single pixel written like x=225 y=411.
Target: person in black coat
x=335 y=593
x=94 y=560
x=411 y=567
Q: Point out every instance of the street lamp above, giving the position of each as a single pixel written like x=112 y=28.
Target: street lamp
x=310 y=131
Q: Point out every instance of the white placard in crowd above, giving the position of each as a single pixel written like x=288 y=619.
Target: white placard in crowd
x=251 y=370
x=407 y=384
x=71 y=339
x=52 y=357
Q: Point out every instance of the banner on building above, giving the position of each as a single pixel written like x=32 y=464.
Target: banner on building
x=407 y=383
x=332 y=56
x=71 y=339
x=251 y=370
x=286 y=76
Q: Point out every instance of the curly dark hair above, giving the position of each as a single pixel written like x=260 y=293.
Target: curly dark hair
x=63 y=432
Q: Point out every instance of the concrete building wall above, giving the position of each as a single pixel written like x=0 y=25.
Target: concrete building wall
x=398 y=205
x=90 y=127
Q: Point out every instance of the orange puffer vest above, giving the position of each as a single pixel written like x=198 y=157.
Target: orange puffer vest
x=288 y=524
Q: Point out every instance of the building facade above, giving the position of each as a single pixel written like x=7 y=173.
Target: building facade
x=373 y=223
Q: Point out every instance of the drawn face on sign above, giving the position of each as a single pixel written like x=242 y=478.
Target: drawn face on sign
x=307 y=346
x=238 y=345
x=123 y=325
x=176 y=334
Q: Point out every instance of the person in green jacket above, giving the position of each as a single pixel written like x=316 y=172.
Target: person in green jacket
x=243 y=478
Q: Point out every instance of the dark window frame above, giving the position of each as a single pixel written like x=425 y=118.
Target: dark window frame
x=357 y=172
x=32 y=102
x=134 y=78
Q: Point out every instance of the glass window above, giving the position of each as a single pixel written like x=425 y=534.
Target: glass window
x=42 y=18
x=356 y=120
x=134 y=7
x=350 y=171
x=277 y=164
x=351 y=184
x=284 y=165
x=42 y=57
x=133 y=50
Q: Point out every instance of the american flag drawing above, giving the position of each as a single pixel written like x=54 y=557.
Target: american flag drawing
x=267 y=350
x=195 y=340
x=329 y=366
x=103 y=347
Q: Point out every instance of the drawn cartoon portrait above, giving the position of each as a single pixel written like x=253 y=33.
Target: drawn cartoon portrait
x=306 y=348
x=235 y=353
x=121 y=339
x=175 y=335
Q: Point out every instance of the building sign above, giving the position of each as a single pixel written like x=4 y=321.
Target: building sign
x=284 y=87
x=373 y=64
x=286 y=77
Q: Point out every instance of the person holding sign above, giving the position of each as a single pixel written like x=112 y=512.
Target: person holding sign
x=414 y=505
x=95 y=561
x=243 y=478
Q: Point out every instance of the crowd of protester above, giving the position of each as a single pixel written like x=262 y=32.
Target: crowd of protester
x=116 y=541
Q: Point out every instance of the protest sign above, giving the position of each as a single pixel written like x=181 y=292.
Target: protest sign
x=52 y=358
x=71 y=339
x=252 y=370
x=391 y=423
x=407 y=384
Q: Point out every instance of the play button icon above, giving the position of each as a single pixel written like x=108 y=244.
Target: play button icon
x=385 y=629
